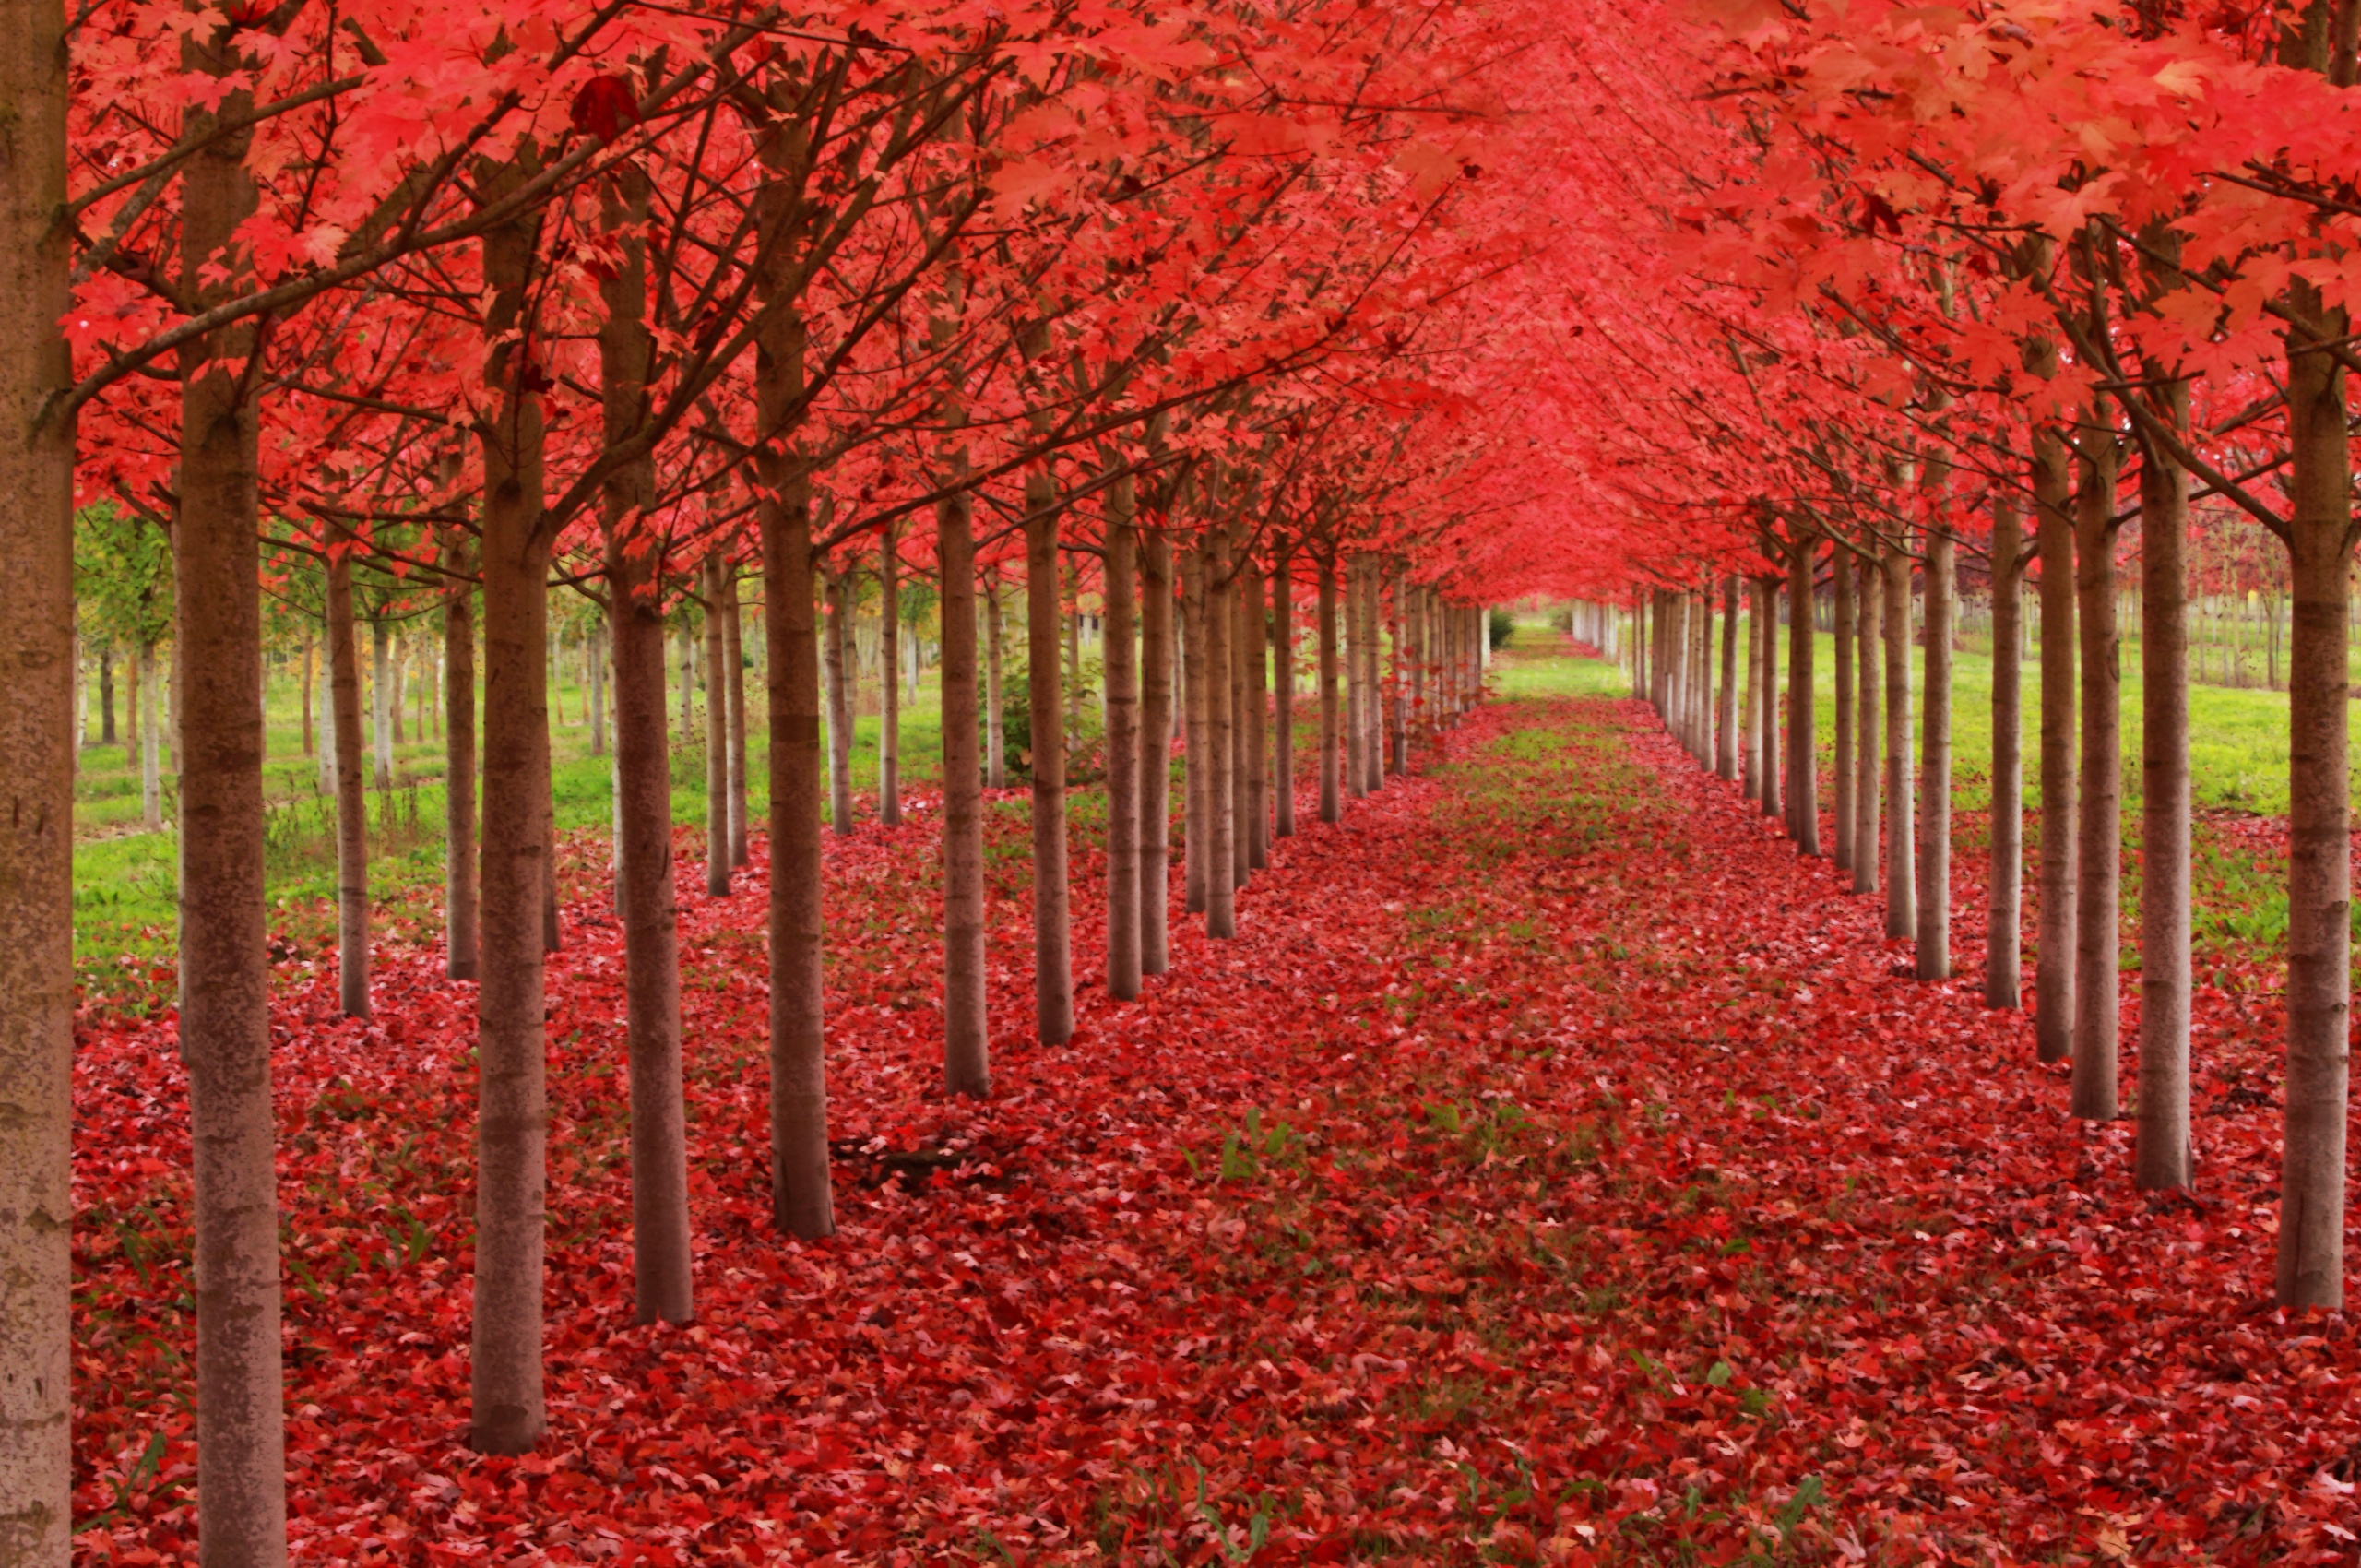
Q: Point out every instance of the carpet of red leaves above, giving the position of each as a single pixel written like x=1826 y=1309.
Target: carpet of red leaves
x=1555 y=1170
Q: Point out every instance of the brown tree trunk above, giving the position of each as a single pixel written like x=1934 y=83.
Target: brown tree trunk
x=662 y=1276
x=1237 y=572
x=733 y=666
x=1750 y=723
x=1155 y=751
x=351 y=808
x=1773 y=785
x=1725 y=760
x=1331 y=806
x=717 y=737
x=2161 y=1156
x=512 y=1131
x=2320 y=870
x=306 y=699
x=1840 y=575
x=1901 y=837
x=1934 y=768
x=458 y=762
x=39 y=739
x=1221 y=814
x=840 y=719
x=966 y=1039
x=1256 y=624
x=889 y=681
x=995 y=737
x=1802 y=751
x=1197 y=826
x=1355 y=729
x=2054 y=923
x=1283 y=693
x=381 y=687
x=1120 y=666
x=1869 y=844
x=1052 y=952
x=224 y=1019
x=2099 y=825
x=2003 y=921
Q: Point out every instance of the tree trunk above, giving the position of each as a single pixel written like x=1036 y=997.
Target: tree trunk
x=2004 y=930
x=995 y=737
x=37 y=762
x=1356 y=732
x=1774 y=787
x=393 y=700
x=509 y=1412
x=1155 y=751
x=2320 y=870
x=1237 y=571
x=2054 y=924
x=1725 y=760
x=1197 y=828
x=458 y=761
x=351 y=809
x=1283 y=693
x=688 y=675
x=1802 y=751
x=2161 y=1156
x=2099 y=853
x=1331 y=806
x=1840 y=575
x=1868 y=692
x=1901 y=837
x=1257 y=624
x=1120 y=666
x=381 y=711
x=1052 y=954
x=1221 y=814
x=967 y=1042
x=717 y=737
x=889 y=684
x=594 y=679
x=663 y=1284
x=734 y=670
x=840 y=719
x=105 y=680
x=1372 y=683
x=1751 y=723
x=1934 y=768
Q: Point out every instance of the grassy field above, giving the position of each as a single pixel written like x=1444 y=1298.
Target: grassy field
x=126 y=885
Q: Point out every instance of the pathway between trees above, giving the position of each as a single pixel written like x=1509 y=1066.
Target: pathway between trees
x=1553 y=1170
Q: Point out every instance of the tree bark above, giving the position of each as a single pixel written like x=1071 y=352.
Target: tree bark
x=733 y=664
x=967 y=1038
x=224 y=1019
x=351 y=808
x=995 y=737
x=2004 y=927
x=1283 y=693
x=1774 y=787
x=1869 y=844
x=458 y=762
x=1221 y=814
x=1052 y=952
x=1840 y=575
x=2320 y=870
x=36 y=761
x=1155 y=751
x=1197 y=828
x=1802 y=751
x=2099 y=825
x=717 y=737
x=1120 y=667
x=840 y=719
x=1726 y=759
x=1934 y=768
x=1356 y=732
x=2054 y=923
x=512 y=1135
x=662 y=1275
x=1255 y=621
x=380 y=709
x=1901 y=837
x=889 y=680
x=1331 y=806
x=1237 y=572
x=2161 y=1154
